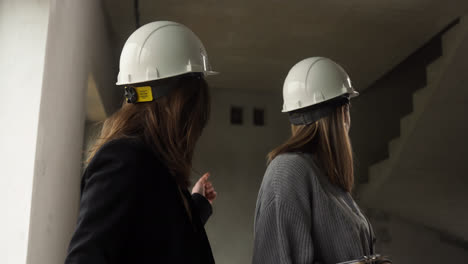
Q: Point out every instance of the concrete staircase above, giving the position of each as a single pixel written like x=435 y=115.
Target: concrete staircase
x=417 y=174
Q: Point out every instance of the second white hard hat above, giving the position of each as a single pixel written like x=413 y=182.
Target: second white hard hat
x=313 y=81
x=160 y=50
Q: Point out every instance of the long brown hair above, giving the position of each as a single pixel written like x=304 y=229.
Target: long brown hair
x=328 y=140
x=170 y=125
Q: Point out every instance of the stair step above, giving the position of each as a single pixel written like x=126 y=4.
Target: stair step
x=433 y=70
x=393 y=146
x=406 y=124
x=420 y=97
x=378 y=170
x=362 y=195
x=377 y=175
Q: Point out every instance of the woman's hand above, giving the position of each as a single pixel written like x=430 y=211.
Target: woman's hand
x=205 y=188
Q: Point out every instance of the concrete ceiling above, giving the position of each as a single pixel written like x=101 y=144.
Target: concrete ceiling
x=254 y=43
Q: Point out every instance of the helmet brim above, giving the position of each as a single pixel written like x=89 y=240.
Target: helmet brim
x=353 y=94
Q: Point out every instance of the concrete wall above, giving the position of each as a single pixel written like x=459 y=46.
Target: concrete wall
x=49 y=48
x=429 y=173
x=407 y=243
x=424 y=189
x=91 y=133
x=235 y=155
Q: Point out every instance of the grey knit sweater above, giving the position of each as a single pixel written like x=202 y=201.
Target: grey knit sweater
x=302 y=218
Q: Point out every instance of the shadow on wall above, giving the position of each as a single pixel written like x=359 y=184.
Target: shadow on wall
x=376 y=113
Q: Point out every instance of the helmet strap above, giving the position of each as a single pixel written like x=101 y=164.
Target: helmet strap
x=312 y=114
x=141 y=94
x=154 y=90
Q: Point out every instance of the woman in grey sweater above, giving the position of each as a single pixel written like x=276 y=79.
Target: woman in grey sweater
x=305 y=213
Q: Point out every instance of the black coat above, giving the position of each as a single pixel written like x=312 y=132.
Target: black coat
x=131 y=211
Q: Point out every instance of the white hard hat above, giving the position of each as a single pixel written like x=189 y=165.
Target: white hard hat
x=160 y=50
x=313 y=81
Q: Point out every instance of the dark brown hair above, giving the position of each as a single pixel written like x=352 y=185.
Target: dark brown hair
x=170 y=125
x=328 y=140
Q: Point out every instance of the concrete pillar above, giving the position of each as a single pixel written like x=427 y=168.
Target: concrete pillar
x=49 y=49
x=23 y=34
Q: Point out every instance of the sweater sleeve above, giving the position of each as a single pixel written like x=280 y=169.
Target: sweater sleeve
x=105 y=208
x=283 y=224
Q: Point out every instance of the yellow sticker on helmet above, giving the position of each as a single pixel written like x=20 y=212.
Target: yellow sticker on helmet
x=144 y=94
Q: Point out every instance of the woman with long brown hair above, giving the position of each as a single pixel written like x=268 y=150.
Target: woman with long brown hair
x=135 y=205
x=305 y=212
